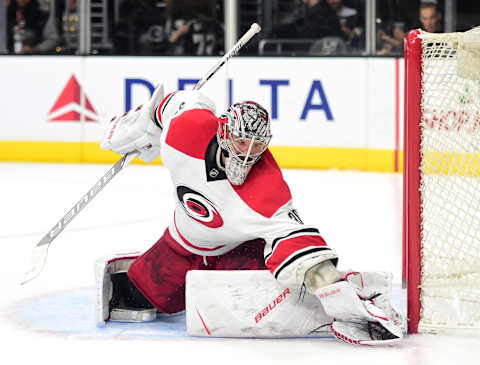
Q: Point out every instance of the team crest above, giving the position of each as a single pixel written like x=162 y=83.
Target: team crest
x=198 y=207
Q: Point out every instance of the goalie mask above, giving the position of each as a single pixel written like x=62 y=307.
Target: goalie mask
x=244 y=134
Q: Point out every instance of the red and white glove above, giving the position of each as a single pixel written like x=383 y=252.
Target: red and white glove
x=357 y=319
x=136 y=130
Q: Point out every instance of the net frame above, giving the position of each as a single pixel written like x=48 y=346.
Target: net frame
x=426 y=290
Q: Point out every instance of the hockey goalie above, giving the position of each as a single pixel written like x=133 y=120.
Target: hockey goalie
x=254 y=268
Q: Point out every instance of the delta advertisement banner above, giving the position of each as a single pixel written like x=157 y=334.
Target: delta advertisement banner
x=314 y=103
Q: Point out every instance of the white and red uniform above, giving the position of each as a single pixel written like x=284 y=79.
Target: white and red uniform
x=213 y=218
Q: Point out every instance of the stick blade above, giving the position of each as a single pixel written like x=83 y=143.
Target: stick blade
x=39 y=256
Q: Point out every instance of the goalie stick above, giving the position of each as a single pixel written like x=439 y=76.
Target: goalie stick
x=40 y=251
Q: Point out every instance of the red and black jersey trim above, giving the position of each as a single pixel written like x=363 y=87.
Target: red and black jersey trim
x=298 y=256
x=156 y=119
x=160 y=109
x=279 y=239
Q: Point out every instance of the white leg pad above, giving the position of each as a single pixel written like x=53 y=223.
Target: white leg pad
x=250 y=303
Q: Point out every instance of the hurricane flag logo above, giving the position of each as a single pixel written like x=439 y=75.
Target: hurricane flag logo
x=199 y=208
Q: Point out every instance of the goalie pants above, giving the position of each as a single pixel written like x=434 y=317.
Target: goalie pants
x=159 y=274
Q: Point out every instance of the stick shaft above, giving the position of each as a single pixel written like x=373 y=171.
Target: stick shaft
x=72 y=213
x=254 y=29
x=41 y=249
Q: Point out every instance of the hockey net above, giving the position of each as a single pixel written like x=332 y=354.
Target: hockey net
x=442 y=181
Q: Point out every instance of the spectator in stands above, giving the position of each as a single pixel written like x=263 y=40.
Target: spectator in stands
x=351 y=30
x=392 y=44
x=317 y=21
x=142 y=28
x=29 y=29
x=153 y=38
x=193 y=27
x=430 y=16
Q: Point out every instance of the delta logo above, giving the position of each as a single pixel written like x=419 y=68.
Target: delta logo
x=72 y=104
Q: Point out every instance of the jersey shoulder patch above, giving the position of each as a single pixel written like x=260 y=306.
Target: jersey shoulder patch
x=265 y=191
x=192 y=131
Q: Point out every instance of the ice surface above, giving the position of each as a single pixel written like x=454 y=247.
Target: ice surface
x=50 y=320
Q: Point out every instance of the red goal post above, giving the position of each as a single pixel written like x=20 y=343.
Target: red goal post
x=441 y=201
x=411 y=176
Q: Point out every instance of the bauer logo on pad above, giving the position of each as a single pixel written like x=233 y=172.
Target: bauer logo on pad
x=72 y=105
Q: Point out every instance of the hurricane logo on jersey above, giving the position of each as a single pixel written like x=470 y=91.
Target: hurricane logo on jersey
x=198 y=207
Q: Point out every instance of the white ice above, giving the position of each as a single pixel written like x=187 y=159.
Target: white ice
x=50 y=320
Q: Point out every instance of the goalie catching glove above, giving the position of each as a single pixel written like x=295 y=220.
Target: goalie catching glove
x=136 y=130
x=360 y=316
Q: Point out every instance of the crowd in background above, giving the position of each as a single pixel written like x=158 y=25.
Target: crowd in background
x=195 y=27
x=170 y=27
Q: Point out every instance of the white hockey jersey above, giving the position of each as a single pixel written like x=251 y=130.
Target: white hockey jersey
x=212 y=216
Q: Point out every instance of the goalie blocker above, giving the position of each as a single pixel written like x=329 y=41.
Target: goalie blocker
x=251 y=303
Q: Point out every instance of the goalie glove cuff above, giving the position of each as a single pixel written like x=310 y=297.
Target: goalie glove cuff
x=368 y=333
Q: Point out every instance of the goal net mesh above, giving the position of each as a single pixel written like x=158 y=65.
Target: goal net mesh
x=450 y=181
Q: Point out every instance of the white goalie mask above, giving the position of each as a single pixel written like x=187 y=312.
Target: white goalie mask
x=244 y=133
